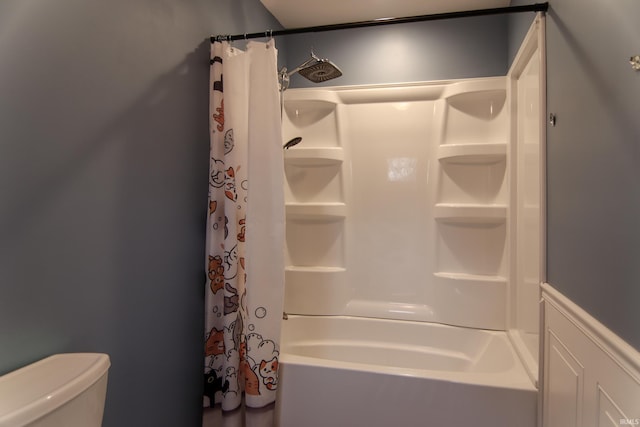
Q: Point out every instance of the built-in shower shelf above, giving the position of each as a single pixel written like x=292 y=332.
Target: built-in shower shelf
x=472 y=153
x=312 y=157
x=310 y=96
x=304 y=113
x=495 y=86
x=467 y=213
x=314 y=269
x=316 y=211
x=479 y=278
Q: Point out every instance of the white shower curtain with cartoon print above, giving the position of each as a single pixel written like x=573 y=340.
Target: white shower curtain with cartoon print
x=245 y=228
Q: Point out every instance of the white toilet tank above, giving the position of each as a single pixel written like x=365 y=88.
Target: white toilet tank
x=63 y=390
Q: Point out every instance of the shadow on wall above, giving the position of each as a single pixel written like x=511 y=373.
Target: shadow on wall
x=102 y=243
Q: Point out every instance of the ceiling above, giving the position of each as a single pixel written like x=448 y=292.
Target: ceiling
x=308 y=13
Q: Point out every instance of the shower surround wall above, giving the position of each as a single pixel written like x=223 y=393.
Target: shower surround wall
x=397 y=202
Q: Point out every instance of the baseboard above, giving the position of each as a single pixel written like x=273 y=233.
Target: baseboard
x=591 y=376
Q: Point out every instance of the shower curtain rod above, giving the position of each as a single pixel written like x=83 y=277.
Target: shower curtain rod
x=536 y=7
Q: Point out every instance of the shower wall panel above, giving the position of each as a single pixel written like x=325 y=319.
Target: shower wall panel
x=397 y=201
x=389 y=146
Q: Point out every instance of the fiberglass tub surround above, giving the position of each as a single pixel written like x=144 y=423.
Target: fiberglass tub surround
x=397 y=258
x=397 y=202
x=413 y=231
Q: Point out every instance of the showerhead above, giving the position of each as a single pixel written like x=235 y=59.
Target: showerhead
x=314 y=69
x=320 y=71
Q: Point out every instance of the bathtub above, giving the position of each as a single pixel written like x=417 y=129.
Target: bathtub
x=343 y=371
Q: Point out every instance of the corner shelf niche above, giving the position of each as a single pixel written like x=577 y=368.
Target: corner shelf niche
x=315 y=290
x=311 y=111
x=475 y=112
x=480 y=300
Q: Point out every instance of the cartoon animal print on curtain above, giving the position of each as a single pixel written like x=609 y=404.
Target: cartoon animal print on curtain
x=245 y=228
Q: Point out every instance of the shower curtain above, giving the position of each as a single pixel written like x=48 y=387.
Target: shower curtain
x=245 y=228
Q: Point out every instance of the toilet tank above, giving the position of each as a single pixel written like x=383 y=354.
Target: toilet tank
x=63 y=390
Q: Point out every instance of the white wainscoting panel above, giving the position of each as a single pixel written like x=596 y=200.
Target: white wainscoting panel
x=591 y=376
x=565 y=385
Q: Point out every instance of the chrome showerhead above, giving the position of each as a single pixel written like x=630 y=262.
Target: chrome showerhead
x=313 y=69
x=320 y=71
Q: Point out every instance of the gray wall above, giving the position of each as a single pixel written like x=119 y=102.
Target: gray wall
x=436 y=50
x=593 y=158
x=103 y=186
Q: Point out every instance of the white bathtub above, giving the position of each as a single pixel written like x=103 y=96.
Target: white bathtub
x=344 y=371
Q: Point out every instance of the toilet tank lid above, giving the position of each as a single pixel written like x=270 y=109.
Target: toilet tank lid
x=39 y=388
